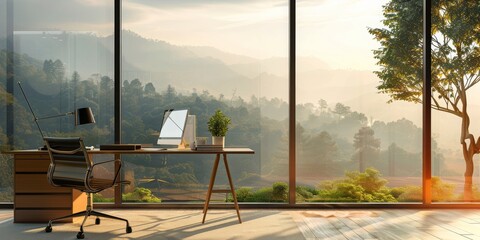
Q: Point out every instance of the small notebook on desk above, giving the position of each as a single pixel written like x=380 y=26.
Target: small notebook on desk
x=120 y=147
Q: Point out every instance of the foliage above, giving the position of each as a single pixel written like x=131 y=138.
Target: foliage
x=305 y=192
x=277 y=193
x=365 y=186
x=454 y=56
x=218 y=124
x=441 y=192
x=140 y=195
x=98 y=197
x=244 y=194
x=280 y=191
x=6 y=172
x=6 y=195
x=367 y=147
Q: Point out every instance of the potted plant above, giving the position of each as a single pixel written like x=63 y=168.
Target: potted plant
x=218 y=127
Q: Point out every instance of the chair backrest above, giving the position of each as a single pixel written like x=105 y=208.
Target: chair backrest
x=69 y=161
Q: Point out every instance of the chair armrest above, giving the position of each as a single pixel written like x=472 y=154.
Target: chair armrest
x=112 y=180
x=100 y=163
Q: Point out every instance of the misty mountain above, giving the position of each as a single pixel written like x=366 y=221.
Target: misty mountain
x=225 y=57
x=163 y=64
x=206 y=68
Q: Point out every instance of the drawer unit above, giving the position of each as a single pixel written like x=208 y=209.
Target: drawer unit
x=35 y=200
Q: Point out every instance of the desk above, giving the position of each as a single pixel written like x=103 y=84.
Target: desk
x=36 y=201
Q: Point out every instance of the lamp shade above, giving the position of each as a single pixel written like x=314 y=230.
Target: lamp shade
x=84 y=116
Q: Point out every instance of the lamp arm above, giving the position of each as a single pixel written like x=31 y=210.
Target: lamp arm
x=31 y=110
x=55 y=116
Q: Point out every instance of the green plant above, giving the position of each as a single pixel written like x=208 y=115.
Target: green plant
x=244 y=194
x=277 y=193
x=306 y=192
x=441 y=192
x=280 y=191
x=98 y=197
x=365 y=186
x=218 y=124
x=140 y=195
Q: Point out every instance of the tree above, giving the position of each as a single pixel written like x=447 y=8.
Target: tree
x=341 y=110
x=150 y=89
x=455 y=61
x=367 y=147
x=322 y=105
x=55 y=70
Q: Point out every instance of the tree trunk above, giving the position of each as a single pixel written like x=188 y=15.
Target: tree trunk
x=468 y=185
x=468 y=150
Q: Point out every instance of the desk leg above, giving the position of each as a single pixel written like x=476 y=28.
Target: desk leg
x=210 y=186
x=232 y=189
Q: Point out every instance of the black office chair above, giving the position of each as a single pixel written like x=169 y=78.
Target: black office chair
x=71 y=166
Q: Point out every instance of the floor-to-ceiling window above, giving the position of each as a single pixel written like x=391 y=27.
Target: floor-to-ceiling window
x=356 y=141
x=61 y=53
x=6 y=164
x=455 y=101
x=358 y=100
x=206 y=56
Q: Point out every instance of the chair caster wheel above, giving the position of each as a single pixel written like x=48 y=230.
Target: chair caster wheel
x=48 y=229
x=80 y=235
x=129 y=229
x=97 y=221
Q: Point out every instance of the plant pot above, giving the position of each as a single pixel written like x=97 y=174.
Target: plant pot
x=218 y=141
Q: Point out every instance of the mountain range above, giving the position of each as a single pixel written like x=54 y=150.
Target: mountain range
x=219 y=72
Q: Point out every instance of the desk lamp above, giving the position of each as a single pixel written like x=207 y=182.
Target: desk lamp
x=82 y=115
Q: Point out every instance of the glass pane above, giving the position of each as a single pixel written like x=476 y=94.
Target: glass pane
x=63 y=59
x=352 y=144
x=455 y=101
x=204 y=56
x=6 y=162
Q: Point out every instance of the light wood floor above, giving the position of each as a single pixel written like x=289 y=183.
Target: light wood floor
x=273 y=224
x=389 y=224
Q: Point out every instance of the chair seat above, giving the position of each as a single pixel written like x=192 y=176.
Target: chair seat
x=100 y=183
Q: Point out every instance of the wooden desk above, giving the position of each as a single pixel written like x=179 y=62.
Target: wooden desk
x=36 y=201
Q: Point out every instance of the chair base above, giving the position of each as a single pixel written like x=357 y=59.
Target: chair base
x=86 y=214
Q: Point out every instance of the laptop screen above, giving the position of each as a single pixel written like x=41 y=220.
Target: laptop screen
x=173 y=127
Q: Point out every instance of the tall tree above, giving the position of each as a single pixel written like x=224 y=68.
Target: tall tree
x=367 y=147
x=455 y=61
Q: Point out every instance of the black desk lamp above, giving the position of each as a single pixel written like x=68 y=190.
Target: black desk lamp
x=82 y=115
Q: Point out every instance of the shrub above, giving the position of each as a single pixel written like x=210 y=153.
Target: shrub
x=98 y=197
x=262 y=195
x=441 y=192
x=280 y=191
x=277 y=193
x=397 y=191
x=306 y=192
x=140 y=195
x=244 y=194
x=356 y=187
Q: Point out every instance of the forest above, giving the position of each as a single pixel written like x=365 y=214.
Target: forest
x=332 y=139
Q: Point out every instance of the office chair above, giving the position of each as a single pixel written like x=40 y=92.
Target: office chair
x=71 y=166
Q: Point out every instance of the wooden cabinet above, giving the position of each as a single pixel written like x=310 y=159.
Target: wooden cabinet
x=35 y=200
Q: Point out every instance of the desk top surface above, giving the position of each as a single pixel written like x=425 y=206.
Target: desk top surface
x=149 y=150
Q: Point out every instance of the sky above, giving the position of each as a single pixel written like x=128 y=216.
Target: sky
x=334 y=31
